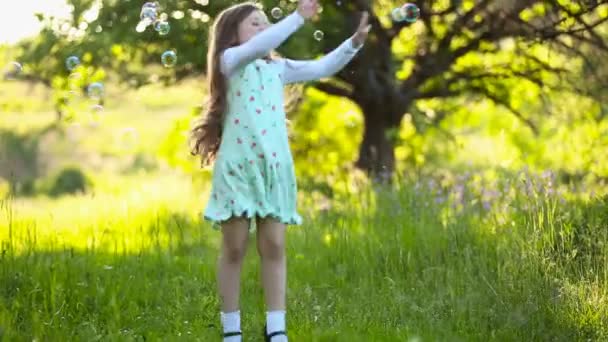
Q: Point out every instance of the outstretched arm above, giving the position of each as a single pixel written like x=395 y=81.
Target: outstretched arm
x=260 y=44
x=302 y=71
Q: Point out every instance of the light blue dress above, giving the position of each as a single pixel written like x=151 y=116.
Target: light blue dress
x=254 y=173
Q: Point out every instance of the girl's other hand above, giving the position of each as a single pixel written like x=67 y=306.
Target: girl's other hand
x=307 y=8
x=361 y=35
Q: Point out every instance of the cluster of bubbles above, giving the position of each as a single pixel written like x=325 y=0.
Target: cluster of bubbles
x=408 y=12
x=277 y=13
x=149 y=16
x=95 y=91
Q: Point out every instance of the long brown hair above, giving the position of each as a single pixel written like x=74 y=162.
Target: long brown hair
x=207 y=133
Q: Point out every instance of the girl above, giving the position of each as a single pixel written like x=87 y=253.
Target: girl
x=244 y=133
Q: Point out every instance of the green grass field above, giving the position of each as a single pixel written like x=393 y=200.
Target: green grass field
x=520 y=259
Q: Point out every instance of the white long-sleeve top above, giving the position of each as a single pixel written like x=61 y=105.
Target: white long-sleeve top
x=293 y=71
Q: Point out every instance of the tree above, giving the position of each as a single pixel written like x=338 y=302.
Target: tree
x=456 y=48
x=445 y=58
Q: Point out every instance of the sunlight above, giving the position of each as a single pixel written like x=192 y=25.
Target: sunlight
x=20 y=21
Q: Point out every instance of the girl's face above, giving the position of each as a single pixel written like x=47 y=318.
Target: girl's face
x=255 y=23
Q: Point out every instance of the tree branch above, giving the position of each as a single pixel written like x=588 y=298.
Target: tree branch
x=505 y=104
x=332 y=89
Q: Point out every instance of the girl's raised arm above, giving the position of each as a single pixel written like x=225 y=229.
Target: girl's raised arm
x=300 y=71
x=328 y=65
x=260 y=44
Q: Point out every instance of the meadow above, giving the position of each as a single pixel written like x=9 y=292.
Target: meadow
x=476 y=255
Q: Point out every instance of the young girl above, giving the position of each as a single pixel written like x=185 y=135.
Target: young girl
x=243 y=132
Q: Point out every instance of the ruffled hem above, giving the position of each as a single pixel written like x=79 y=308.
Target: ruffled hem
x=293 y=219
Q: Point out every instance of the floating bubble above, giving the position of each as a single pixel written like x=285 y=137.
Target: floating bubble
x=151 y=4
x=72 y=62
x=128 y=138
x=169 y=58
x=97 y=109
x=148 y=14
x=276 y=12
x=318 y=35
x=95 y=115
x=411 y=12
x=141 y=26
x=95 y=90
x=397 y=15
x=17 y=66
x=162 y=27
x=13 y=69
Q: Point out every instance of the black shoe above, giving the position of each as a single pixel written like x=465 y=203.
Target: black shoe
x=233 y=333
x=268 y=337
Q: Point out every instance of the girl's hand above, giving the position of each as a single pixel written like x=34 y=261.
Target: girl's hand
x=307 y=8
x=361 y=35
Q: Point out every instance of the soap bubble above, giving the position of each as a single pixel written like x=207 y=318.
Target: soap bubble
x=128 y=138
x=149 y=12
x=141 y=26
x=13 y=69
x=318 y=35
x=397 y=15
x=97 y=109
x=16 y=67
x=72 y=62
x=95 y=90
x=152 y=4
x=411 y=12
x=169 y=58
x=162 y=27
x=408 y=12
x=95 y=115
x=276 y=13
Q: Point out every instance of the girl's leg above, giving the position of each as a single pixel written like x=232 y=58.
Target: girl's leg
x=271 y=247
x=235 y=234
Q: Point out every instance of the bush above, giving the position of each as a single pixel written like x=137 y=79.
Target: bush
x=70 y=180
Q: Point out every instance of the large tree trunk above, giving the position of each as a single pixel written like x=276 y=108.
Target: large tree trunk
x=376 y=152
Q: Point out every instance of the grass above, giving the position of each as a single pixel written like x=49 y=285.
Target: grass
x=378 y=265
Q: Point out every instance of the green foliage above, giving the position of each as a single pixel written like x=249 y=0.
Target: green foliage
x=96 y=33
x=18 y=160
x=325 y=136
x=174 y=148
x=69 y=180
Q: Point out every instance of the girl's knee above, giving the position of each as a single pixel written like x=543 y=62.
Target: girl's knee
x=270 y=248
x=234 y=254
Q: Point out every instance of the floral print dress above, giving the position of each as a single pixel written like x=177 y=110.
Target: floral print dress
x=253 y=174
x=254 y=171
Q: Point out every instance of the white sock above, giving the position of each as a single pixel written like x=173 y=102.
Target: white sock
x=275 y=321
x=231 y=321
